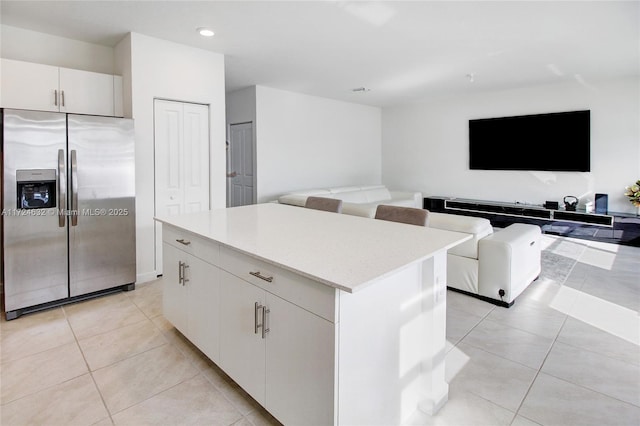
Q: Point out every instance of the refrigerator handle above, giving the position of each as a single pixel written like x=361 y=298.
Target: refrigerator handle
x=62 y=185
x=74 y=188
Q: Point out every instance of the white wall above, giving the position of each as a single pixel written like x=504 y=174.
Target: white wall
x=32 y=46
x=307 y=142
x=425 y=145
x=241 y=106
x=167 y=70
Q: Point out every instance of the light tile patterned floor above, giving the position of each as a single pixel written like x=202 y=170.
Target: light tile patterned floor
x=567 y=353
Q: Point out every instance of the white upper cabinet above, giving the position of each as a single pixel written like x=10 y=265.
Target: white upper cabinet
x=27 y=85
x=86 y=92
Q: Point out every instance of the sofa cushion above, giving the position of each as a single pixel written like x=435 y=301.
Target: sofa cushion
x=360 y=209
x=477 y=226
x=351 y=196
x=299 y=198
x=376 y=194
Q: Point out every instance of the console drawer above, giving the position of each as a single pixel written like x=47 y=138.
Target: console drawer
x=310 y=295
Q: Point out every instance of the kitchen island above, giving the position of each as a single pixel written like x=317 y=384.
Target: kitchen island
x=322 y=318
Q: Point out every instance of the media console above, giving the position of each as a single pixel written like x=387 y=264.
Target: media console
x=528 y=211
x=618 y=228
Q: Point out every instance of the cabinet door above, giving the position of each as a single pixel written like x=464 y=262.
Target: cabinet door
x=174 y=293
x=86 y=92
x=241 y=346
x=26 y=85
x=300 y=365
x=203 y=310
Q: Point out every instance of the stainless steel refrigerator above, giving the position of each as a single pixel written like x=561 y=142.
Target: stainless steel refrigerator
x=68 y=201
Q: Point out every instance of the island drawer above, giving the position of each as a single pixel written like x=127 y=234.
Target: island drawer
x=310 y=295
x=206 y=250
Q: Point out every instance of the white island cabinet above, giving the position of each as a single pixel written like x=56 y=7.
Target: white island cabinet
x=322 y=318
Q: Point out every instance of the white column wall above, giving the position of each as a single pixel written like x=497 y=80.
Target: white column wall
x=308 y=142
x=425 y=145
x=167 y=70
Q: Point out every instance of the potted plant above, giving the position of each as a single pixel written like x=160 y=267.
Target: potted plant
x=633 y=192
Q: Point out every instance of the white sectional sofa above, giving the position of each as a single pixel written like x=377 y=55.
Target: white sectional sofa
x=493 y=266
x=357 y=200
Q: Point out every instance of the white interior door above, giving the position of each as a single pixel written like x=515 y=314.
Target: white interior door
x=181 y=162
x=240 y=166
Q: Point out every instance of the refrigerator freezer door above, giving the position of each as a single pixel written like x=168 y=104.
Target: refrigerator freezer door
x=102 y=203
x=34 y=226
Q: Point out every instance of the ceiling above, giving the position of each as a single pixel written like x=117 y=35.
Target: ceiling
x=403 y=51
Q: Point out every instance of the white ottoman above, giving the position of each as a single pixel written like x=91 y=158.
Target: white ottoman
x=509 y=260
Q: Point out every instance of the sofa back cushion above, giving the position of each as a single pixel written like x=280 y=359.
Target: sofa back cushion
x=476 y=226
x=299 y=198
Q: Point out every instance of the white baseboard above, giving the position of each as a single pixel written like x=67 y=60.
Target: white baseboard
x=146 y=277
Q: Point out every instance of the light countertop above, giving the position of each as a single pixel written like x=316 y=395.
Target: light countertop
x=343 y=251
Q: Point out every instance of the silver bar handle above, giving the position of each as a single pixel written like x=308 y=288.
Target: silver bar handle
x=62 y=98
x=183 y=241
x=256 y=307
x=55 y=97
x=257 y=274
x=185 y=266
x=180 y=272
x=74 y=188
x=62 y=192
x=265 y=329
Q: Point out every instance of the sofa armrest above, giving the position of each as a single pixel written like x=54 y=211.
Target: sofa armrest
x=415 y=196
x=508 y=261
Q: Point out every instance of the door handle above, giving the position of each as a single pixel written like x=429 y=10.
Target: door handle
x=256 y=307
x=265 y=329
x=55 y=97
x=62 y=192
x=180 y=272
x=74 y=188
x=62 y=98
x=184 y=242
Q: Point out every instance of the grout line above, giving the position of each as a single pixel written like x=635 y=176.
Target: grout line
x=104 y=403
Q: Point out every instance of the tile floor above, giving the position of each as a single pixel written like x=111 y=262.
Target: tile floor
x=567 y=353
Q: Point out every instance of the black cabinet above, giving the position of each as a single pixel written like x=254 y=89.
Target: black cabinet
x=614 y=228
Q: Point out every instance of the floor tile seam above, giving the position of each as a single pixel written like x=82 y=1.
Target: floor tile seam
x=95 y=384
x=525 y=417
x=150 y=397
x=591 y=390
x=119 y=328
x=3 y=361
x=541 y=366
x=528 y=331
x=231 y=383
x=505 y=358
x=127 y=357
x=582 y=348
x=474 y=327
x=109 y=330
x=43 y=389
x=494 y=403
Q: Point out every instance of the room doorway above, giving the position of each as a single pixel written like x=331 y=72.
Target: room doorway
x=241 y=165
x=181 y=160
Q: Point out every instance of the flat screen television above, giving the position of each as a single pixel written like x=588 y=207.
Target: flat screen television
x=553 y=142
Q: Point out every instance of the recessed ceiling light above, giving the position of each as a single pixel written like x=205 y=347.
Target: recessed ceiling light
x=360 y=89
x=205 y=32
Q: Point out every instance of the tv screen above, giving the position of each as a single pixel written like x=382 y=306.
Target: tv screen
x=553 y=142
